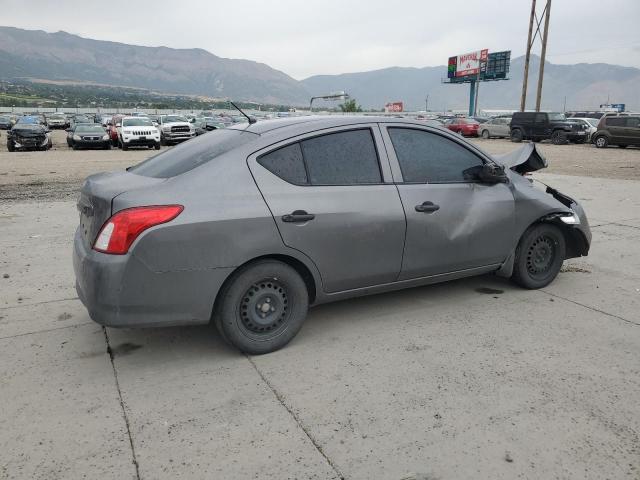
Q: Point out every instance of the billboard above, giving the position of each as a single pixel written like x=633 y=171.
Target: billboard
x=479 y=65
x=394 y=107
x=470 y=63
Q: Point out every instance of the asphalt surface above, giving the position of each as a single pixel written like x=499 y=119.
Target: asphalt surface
x=468 y=379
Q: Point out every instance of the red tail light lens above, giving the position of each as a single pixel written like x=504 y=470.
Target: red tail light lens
x=121 y=230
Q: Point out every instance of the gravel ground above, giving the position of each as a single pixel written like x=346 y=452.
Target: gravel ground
x=58 y=173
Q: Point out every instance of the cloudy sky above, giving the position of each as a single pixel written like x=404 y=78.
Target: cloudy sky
x=309 y=37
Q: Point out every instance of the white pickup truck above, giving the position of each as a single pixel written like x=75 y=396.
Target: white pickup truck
x=175 y=129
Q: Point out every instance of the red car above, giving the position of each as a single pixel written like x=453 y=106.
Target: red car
x=113 y=131
x=464 y=126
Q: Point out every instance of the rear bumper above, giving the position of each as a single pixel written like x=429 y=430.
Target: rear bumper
x=121 y=291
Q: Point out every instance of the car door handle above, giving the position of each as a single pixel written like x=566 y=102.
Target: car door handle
x=427 y=207
x=298 y=216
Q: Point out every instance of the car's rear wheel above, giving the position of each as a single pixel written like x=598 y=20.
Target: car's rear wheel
x=601 y=141
x=262 y=307
x=539 y=256
x=516 y=135
x=558 y=137
x=485 y=134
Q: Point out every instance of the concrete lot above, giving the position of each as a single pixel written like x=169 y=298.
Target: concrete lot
x=468 y=379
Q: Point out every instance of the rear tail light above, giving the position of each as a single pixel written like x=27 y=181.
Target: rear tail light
x=121 y=230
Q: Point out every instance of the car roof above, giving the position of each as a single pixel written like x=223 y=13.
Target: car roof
x=318 y=122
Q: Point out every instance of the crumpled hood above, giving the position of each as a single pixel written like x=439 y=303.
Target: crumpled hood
x=527 y=158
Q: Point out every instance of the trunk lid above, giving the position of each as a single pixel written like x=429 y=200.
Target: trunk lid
x=96 y=199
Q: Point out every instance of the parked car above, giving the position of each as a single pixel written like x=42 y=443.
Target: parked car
x=138 y=132
x=28 y=136
x=590 y=125
x=204 y=125
x=88 y=135
x=619 y=130
x=464 y=126
x=113 y=129
x=247 y=226
x=538 y=126
x=57 y=120
x=5 y=122
x=495 y=127
x=175 y=129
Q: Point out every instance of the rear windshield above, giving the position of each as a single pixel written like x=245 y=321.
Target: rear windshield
x=192 y=154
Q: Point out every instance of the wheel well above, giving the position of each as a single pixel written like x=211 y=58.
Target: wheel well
x=294 y=263
x=575 y=243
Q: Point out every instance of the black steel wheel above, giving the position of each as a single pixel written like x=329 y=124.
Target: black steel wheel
x=539 y=256
x=261 y=307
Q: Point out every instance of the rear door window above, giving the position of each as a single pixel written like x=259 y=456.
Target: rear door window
x=287 y=163
x=342 y=158
x=633 y=122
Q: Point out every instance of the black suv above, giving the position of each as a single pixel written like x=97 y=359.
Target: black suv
x=539 y=126
x=617 y=130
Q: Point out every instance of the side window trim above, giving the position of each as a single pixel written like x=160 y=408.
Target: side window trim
x=395 y=163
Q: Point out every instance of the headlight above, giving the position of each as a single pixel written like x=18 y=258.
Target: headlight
x=77 y=137
x=570 y=219
x=105 y=137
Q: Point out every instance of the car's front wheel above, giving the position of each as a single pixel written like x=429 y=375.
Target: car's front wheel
x=558 y=137
x=601 y=141
x=539 y=256
x=485 y=134
x=262 y=307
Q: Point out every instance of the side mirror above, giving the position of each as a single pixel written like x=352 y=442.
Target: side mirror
x=487 y=173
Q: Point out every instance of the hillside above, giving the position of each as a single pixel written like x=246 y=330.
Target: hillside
x=584 y=85
x=62 y=56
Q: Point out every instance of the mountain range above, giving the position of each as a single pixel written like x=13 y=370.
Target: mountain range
x=60 y=56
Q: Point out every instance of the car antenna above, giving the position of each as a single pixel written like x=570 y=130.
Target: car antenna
x=251 y=119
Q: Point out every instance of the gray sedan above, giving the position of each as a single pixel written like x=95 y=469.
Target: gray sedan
x=495 y=127
x=249 y=226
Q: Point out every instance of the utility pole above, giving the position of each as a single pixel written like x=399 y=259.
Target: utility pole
x=523 y=98
x=426 y=103
x=543 y=54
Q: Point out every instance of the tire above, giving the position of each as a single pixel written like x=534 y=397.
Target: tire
x=11 y=147
x=74 y=146
x=539 y=256
x=157 y=146
x=163 y=142
x=516 y=135
x=601 y=141
x=559 y=137
x=124 y=146
x=240 y=308
x=485 y=134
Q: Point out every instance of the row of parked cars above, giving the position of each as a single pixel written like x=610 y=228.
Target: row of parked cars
x=610 y=129
x=32 y=132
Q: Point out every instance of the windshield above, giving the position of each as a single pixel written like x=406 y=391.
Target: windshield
x=137 y=122
x=82 y=120
x=27 y=126
x=593 y=121
x=173 y=118
x=556 y=116
x=4 y=119
x=192 y=154
x=28 y=120
x=89 y=128
x=56 y=115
